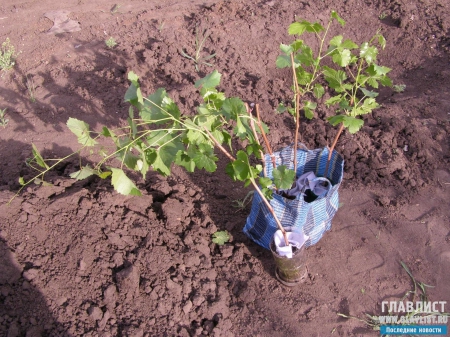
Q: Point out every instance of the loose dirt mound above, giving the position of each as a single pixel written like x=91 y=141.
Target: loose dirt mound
x=77 y=259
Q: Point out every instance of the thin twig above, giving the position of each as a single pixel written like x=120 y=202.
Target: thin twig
x=252 y=125
x=269 y=149
x=255 y=185
x=331 y=149
x=297 y=112
x=221 y=148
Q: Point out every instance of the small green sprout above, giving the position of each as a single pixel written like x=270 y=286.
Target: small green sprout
x=111 y=42
x=7 y=55
x=241 y=204
x=197 y=58
x=31 y=87
x=399 y=87
x=3 y=121
x=220 y=237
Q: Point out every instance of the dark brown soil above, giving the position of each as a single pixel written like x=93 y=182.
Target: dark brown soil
x=78 y=259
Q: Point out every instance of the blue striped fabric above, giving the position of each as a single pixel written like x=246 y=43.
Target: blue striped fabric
x=315 y=217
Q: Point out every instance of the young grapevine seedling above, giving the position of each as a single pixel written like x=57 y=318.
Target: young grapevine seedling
x=353 y=78
x=159 y=135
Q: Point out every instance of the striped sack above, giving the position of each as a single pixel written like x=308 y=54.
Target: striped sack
x=314 y=218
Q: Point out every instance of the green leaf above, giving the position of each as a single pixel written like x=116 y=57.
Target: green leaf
x=281 y=108
x=134 y=95
x=335 y=78
x=369 y=53
x=254 y=149
x=336 y=40
x=165 y=156
x=233 y=107
x=308 y=108
x=283 y=177
x=335 y=120
x=105 y=132
x=195 y=137
x=227 y=139
x=209 y=81
x=104 y=175
x=38 y=181
x=296 y=45
x=81 y=130
x=229 y=170
x=349 y=44
x=122 y=184
x=318 y=90
x=368 y=105
x=21 y=181
x=353 y=124
x=335 y=15
x=130 y=160
x=344 y=104
x=132 y=77
x=369 y=93
x=378 y=70
x=381 y=41
x=305 y=57
x=377 y=73
x=299 y=28
x=286 y=48
x=83 y=173
x=150 y=156
x=265 y=182
x=386 y=81
x=283 y=61
x=240 y=129
x=296 y=28
x=240 y=167
x=333 y=100
x=220 y=237
x=171 y=108
x=203 y=157
x=309 y=113
x=37 y=156
x=372 y=82
x=159 y=107
x=206 y=121
x=267 y=192
x=213 y=101
x=133 y=127
x=182 y=159
x=313 y=27
x=303 y=77
x=342 y=57
x=159 y=137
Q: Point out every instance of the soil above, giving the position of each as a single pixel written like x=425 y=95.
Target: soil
x=78 y=259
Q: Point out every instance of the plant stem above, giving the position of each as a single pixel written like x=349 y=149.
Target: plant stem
x=252 y=125
x=220 y=147
x=269 y=149
x=255 y=185
x=331 y=149
x=280 y=227
x=42 y=173
x=297 y=113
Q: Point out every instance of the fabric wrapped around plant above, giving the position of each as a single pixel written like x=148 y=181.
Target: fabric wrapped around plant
x=314 y=218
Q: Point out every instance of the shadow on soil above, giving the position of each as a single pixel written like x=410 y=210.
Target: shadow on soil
x=23 y=308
